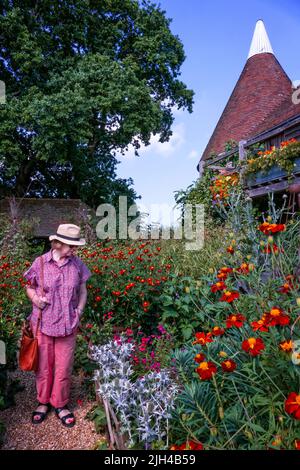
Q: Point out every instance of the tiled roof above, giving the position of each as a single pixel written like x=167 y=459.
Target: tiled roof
x=262 y=88
x=283 y=112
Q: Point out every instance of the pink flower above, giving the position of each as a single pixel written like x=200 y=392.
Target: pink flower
x=161 y=329
x=117 y=338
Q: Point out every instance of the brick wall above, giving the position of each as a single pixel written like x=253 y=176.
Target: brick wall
x=49 y=212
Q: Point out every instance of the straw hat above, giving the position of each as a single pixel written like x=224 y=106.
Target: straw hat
x=68 y=233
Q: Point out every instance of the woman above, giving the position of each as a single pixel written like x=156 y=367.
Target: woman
x=62 y=305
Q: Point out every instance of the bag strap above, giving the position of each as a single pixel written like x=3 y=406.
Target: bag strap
x=42 y=293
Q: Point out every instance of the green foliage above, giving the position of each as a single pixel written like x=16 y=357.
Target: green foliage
x=197 y=193
x=97 y=415
x=82 y=363
x=178 y=307
x=197 y=263
x=14 y=237
x=75 y=90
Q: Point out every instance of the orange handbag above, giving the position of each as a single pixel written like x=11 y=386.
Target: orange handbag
x=29 y=354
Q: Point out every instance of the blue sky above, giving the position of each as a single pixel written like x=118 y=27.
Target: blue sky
x=216 y=36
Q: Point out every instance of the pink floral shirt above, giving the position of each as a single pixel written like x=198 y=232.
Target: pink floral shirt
x=61 y=288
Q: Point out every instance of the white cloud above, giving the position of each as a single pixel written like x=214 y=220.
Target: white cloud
x=165 y=149
x=193 y=154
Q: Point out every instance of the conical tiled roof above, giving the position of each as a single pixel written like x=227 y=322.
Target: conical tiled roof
x=261 y=88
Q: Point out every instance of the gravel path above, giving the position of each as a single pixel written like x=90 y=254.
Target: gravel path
x=21 y=434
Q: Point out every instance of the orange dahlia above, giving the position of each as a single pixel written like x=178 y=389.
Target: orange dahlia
x=268 y=228
x=286 y=346
x=202 y=338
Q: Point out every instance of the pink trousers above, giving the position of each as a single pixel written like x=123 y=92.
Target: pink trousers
x=53 y=377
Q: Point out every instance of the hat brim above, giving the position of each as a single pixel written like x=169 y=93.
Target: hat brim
x=80 y=242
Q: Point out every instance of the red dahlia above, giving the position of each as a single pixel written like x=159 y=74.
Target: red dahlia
x=217 y=331
x=229 y=296
x=218 y=286
x=253 y=346
x=206 y=370
x=292 y=405
x=235 y=320
x=228 y=366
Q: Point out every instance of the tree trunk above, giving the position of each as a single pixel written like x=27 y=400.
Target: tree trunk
x=23 y=178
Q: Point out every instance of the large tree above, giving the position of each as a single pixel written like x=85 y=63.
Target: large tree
x=84 y=79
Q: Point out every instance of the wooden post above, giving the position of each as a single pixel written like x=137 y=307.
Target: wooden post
x=242 y=158
x=242 y=151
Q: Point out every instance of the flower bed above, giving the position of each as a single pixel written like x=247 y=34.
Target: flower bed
x=127 y=280
x=241 y=370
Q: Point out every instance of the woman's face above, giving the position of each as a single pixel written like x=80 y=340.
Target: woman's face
x=67 y=250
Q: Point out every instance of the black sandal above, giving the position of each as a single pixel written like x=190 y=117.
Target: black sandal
x=42 y=414
x=64 y=418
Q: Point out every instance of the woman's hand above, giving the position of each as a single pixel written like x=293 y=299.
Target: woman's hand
x=78 y=312
x=40 y=302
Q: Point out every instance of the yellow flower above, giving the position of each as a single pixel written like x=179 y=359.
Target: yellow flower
x=277 y=441
x=270 y=240
x=223 y=354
